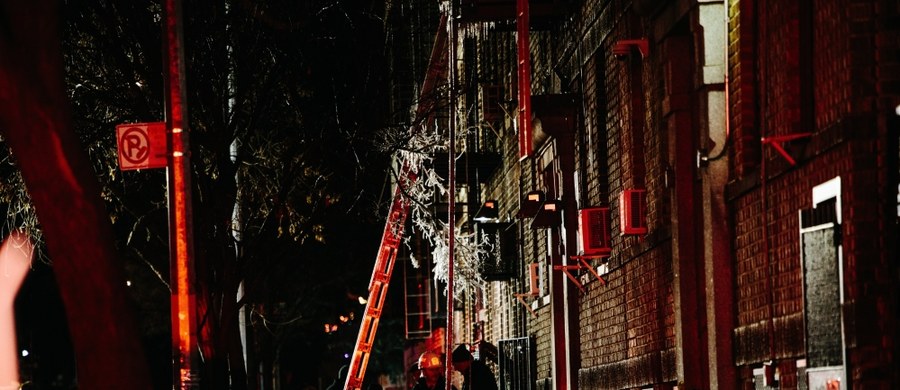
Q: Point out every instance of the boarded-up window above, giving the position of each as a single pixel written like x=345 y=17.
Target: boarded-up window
x=822 y=285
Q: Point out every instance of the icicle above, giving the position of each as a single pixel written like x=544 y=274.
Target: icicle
x=477 y=30
x=419 y=152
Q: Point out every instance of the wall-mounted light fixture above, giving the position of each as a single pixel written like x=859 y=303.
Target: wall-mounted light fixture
x=623 y=48
x=549 y=215
x=488 y=212
x=531 y=203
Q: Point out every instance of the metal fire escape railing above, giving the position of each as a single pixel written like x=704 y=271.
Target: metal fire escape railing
x=524 y=73
x=394 y=226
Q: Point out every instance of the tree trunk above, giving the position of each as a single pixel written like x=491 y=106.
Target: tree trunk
x=236 y=362
x=34 y=119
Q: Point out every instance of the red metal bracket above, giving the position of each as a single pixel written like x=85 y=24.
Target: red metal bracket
x=776 y=141
x=582 y=260
x=566 y=269
x=582 y=264
x=520 y=297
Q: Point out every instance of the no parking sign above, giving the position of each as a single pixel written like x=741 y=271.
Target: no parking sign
x=141 y=145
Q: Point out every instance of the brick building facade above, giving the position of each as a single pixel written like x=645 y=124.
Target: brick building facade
x=742 y=158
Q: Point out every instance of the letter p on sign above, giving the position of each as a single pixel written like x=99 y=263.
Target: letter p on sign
x=141 y=145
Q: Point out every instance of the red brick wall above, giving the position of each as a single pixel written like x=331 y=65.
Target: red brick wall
x=847 y=140
x=743 y=93
x=778 y=58
x=833 y=71
x=627 y=325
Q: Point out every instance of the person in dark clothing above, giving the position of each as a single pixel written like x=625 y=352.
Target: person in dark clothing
x=477 y=375
x=431 y=367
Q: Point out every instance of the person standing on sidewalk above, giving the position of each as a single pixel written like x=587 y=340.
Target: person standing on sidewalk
x=477 y=374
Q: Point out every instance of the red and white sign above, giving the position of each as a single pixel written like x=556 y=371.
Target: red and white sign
x=141 y=145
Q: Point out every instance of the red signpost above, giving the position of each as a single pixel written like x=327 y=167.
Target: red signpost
x=141 y=145
x=185 y=352
x=165 y=145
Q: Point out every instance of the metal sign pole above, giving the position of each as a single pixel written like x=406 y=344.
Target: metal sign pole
x=181 y=249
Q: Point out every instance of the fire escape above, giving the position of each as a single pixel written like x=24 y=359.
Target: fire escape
x=477 y=161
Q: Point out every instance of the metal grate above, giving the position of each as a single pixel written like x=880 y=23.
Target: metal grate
x=417 y=291
x=502 y=257
x=517 y=368
x=593 y=225
x=632 y=211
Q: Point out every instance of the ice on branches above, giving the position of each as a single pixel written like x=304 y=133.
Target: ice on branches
x=422 y=193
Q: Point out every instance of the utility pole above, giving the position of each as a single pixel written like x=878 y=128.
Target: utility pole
x=181 y=247
x=451 y=185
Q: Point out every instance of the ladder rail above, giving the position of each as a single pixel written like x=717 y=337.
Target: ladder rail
x=378 y=284
x=396 y=220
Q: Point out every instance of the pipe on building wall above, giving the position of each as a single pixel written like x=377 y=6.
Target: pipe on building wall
x=524 y=74
x=718 y=269
x=762 y=76
x=691 y=353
